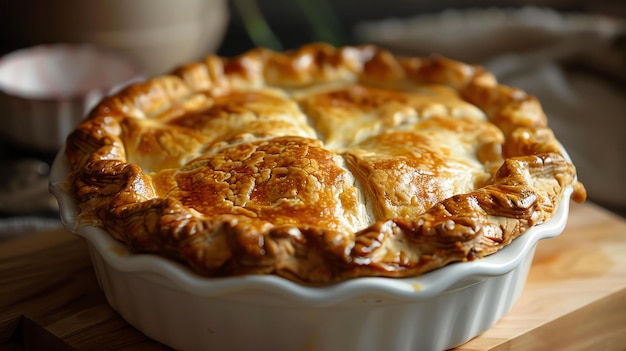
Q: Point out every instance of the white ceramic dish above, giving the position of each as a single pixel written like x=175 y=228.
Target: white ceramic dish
x=46 y=90
x=435 y=311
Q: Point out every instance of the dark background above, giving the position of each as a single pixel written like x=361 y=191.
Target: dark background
x=286 y=19
x=291 y=26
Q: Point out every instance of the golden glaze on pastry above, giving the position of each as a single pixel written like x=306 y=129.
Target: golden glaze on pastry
x=319 y=165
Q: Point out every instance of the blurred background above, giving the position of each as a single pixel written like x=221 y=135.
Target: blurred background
x=569 y=53
x=292 y=22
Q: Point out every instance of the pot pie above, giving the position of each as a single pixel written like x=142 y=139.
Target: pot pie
x=319 y=164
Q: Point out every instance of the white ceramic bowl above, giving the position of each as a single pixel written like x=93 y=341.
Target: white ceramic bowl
x=173 y=305
x=46 y=90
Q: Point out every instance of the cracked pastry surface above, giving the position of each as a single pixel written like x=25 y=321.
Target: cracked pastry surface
x=319 y=164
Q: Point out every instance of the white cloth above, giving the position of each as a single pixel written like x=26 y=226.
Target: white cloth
x=15 y=227
x=575 y=64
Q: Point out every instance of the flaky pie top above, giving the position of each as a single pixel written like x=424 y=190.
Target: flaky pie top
x=319 y=164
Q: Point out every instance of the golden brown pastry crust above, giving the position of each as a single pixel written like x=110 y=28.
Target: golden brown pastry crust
x=319 y=164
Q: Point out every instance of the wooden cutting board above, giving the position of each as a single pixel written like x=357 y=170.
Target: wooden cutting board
x=575 y=297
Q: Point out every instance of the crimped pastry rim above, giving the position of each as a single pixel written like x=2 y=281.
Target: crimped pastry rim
x=516 y=113
x=176 y=275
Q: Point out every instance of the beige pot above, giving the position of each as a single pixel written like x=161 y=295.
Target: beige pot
x=157 y=34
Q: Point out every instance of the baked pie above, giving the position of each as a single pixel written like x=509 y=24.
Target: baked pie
x=319 y=164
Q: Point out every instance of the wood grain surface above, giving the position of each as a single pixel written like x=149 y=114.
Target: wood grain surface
x=575 y=297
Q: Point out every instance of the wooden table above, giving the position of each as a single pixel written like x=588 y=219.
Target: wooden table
x=575 y=297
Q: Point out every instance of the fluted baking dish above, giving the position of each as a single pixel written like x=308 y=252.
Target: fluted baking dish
x=315 y=199
x=173 y=305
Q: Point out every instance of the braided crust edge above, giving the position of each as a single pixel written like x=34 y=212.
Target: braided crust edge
x=117 y=195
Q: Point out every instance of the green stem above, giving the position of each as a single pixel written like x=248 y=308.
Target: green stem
x=259 y=31
x=323 y=21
